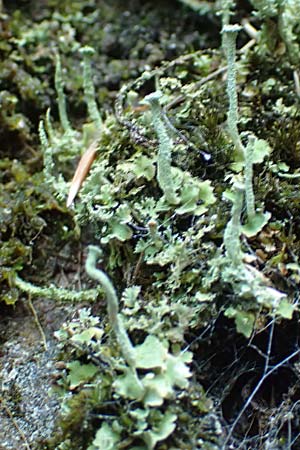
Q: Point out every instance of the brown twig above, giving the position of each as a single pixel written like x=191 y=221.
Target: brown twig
x=10 y=415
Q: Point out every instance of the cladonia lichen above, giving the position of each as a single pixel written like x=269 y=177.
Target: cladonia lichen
x=164 y=168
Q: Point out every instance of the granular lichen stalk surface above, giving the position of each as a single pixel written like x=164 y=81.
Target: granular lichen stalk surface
x=188 y=187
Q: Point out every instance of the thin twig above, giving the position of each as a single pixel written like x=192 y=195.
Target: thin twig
x=10 y=415
x=180 y=98
x=246 y=47
x=254 y=392
x=270 y=342
x=137 y=267
x=37 y=322
x=250 y=29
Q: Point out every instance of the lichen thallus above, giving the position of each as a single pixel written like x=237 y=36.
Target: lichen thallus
x=89 y=155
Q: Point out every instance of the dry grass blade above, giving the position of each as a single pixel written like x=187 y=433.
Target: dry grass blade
x=82 y=170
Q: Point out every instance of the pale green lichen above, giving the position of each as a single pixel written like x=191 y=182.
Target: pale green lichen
x=61 y=99
x=286 y=13
x=289 y=13
x=89 y=88
x=120 y=201
x=56 y=293
x=164 y=371
x=112 y=305
x=233 y=229
x=255 y=152
x=244 y=156
x=229 y=45
x=247 y=282
x=248 y=171
x=59 y=147
x=152 y=417
x=164 y=168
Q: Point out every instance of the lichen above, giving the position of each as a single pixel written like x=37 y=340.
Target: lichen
x=188 y=268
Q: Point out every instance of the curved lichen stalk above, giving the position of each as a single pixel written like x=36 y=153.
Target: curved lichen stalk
x=89 y=88
x=89 y=155
x=116 y=322
x=164 y=169
x=61 y=99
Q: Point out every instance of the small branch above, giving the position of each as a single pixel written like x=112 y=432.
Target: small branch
x=37 y=322
x=250 y=29
x=10 y=415
x=254 y=392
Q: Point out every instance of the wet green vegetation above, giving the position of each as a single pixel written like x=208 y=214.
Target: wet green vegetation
x=190 y=209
